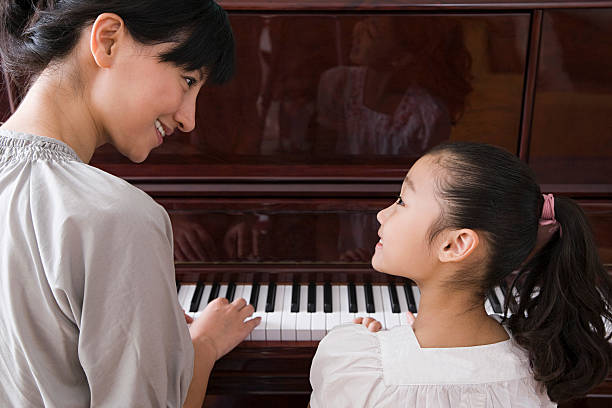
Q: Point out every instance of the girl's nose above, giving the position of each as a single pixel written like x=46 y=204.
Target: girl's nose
x=382 y=215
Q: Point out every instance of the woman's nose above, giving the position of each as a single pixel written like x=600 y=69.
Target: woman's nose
x=185 y=116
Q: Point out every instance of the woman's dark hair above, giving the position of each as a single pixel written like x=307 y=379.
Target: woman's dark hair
x=564 y=291
x=34 y=33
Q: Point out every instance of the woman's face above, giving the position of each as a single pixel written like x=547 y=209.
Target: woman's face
x=372 y=41
x=404 y=248
x=138 y=93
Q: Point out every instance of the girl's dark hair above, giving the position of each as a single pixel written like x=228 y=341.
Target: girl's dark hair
x=34 y=33
x=564 y=291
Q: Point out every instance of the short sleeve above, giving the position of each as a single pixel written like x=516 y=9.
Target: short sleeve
x=347 y=369
x=134 y=346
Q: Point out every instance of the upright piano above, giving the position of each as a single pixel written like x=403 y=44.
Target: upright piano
x=274 y=195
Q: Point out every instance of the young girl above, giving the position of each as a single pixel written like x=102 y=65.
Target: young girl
x=89 y=314
x=468 y=216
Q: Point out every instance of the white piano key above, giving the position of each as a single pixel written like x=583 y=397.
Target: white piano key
x=401 y=296
x=222 y=291
x=289 y=319
x=244 y=291
x=379 y=313
x=500 y=297
x=259 y=333
x=273 y=319
x=391 y=319
x=205 y=295
x=345 y=315
x=488 y=307
x=189 y=291
x=333 y=319
x=361 y=304
x=303 y=317
x=182 y=295
x=417 y=296
x=238 y=292
x=317 y=322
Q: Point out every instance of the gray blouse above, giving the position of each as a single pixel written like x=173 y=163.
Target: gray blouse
x=89 y=314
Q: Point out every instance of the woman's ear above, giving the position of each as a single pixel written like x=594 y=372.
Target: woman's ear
x=106 y=33
x=458 y=245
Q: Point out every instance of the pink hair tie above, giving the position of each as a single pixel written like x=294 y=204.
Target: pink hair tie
x=548 y=225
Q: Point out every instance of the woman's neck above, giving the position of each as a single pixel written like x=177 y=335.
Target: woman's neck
x=449 y=318
x=54 y=110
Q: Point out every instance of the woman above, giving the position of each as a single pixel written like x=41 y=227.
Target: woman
x=468 y=216
x=89 y=312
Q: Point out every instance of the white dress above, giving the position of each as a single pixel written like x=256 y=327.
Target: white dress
x=89 y=314
x=354 y=367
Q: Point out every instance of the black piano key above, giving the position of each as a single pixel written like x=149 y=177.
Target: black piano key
x=395 y=305
x=254 y=295
x=312 y=298
x=352 y=298
x=271 y=297
x=214 y=292
x=231 y=290
x=327 y=298
x=197 y=297
x=504 y=288
x=410 y=298
x=494 y=302
x=369 y=298
x=178 y=286
x=295 y=298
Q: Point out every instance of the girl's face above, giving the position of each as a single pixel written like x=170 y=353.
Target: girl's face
x=404 y=248
x=138 y=93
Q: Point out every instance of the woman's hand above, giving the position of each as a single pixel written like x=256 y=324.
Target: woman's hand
x=222 y=324
x=374 y=325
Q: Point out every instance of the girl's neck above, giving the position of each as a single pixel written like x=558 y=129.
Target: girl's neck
x=450 y=318
x=51 y=110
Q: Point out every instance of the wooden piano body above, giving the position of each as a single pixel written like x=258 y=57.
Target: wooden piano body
x=275 y=184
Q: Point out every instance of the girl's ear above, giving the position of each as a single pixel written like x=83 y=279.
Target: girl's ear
x=458 y=245
x=106 y=33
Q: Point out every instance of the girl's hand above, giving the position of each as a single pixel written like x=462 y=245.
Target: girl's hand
x=374 y=325
x=223 y=325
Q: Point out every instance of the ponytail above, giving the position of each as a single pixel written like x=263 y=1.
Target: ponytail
x=564 y=296
x=563 y=291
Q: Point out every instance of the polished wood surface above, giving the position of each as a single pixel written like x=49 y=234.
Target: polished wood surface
x=331 y=230
x=571 y=141
x=408 y=5
x=318 y=92
x=277 y=183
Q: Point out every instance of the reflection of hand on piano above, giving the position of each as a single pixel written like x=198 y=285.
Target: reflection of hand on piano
x=244 y=240
x=192 y=243
x=356 y=255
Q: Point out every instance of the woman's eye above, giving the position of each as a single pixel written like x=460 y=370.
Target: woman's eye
x=399 y=201
x=190 y=81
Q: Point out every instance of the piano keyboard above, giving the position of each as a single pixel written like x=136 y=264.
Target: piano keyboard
x=306 y=312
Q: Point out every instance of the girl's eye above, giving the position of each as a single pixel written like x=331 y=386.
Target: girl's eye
x=399 y=201
x=190 y=81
